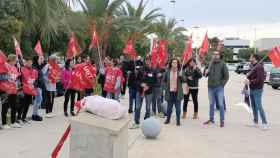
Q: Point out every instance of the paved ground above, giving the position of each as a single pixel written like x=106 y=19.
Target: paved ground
x=192 y=139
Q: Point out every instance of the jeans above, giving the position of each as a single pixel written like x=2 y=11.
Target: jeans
x=132 y=99
x=38 y=101
x=216 y=96
x=110 y=95
x=157 y=93
x=193 y=93
x=256 y=99
x=173 y=100
x=138 y=107
x=149 y=99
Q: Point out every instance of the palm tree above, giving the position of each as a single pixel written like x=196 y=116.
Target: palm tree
x=168 y=30
x=101 y=14
x=43 y=19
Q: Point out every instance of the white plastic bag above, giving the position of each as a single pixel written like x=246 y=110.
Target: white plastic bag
x=107 y=108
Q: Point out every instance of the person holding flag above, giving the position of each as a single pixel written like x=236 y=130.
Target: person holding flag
x=28 y=77
x=38 y=64
x=51 y=73
x=10 y=87
x=89 y=74
x=255 y=81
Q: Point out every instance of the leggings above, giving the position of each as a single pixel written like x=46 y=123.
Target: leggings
x=193 y=93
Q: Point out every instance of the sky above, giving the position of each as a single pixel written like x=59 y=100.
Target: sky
x=248 y=19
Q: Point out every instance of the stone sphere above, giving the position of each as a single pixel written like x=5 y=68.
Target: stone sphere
x=164 y=107
x=151 y=128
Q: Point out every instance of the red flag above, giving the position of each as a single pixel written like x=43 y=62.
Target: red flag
x=204 y=46
x=154 y=53
x=188 y=50
x=73 y=48
x=54 y=71
x=129 y=50
x=38 y=49
x=77 y=82
x=3 y=63
x=274 y=56
x=17 y=47
x=94 y=39
x=162 y=52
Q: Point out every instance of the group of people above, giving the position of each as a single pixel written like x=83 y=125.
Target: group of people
x=33 y=82
x=24 y=81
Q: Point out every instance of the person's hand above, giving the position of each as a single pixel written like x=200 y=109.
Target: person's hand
x=246 y=81
x=190 y=78
x=181 y=73
x=194 y=66
x=159 y=75
x=206 y=71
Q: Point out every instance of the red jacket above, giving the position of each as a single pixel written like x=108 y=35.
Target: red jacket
x=29 y=75
x=9 y=86
x=110 y=79
x=89 y=75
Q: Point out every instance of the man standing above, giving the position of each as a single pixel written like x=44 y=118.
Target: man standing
x=218 y=76
x=255 y=80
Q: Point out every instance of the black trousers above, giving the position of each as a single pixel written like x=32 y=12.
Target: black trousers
x=194 y=94
x=23 y=109
x=70 y=94
x=49 y=101
x=88 y=92
x=11 y=102
x=123 y=90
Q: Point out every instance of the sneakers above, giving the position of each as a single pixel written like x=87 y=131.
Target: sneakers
x=26 y=122
x=265 y=127
x=49 y=115
x=6 y=127
x=16 y=125
x=254 y=125
x=209 y=122
x=167 y=122
x=135 y=126
x=72 y=113
x=161 y=115
x=20 y=122
x=222 y=124
x=65 y=114
x=37 y=118
x=178 y=123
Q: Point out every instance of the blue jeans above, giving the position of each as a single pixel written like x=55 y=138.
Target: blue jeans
x=173 y=100
x=256 y=99
x=216 y=97
x=138 y=107
x=132 y=99
x=37 y=101
x=149 y=100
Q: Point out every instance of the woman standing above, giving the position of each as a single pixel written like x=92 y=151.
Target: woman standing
x=10 y=87
x=69 y=91
x=174 y=90
x=191 y=76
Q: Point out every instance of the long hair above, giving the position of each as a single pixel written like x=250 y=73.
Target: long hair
x=178 y=65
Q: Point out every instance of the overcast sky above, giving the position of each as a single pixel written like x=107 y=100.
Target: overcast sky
x=224 y=17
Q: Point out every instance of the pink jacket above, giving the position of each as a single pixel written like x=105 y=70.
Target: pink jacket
x=66 y=78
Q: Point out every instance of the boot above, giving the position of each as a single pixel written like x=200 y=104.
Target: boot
x=195 y=116
x=184 y=115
